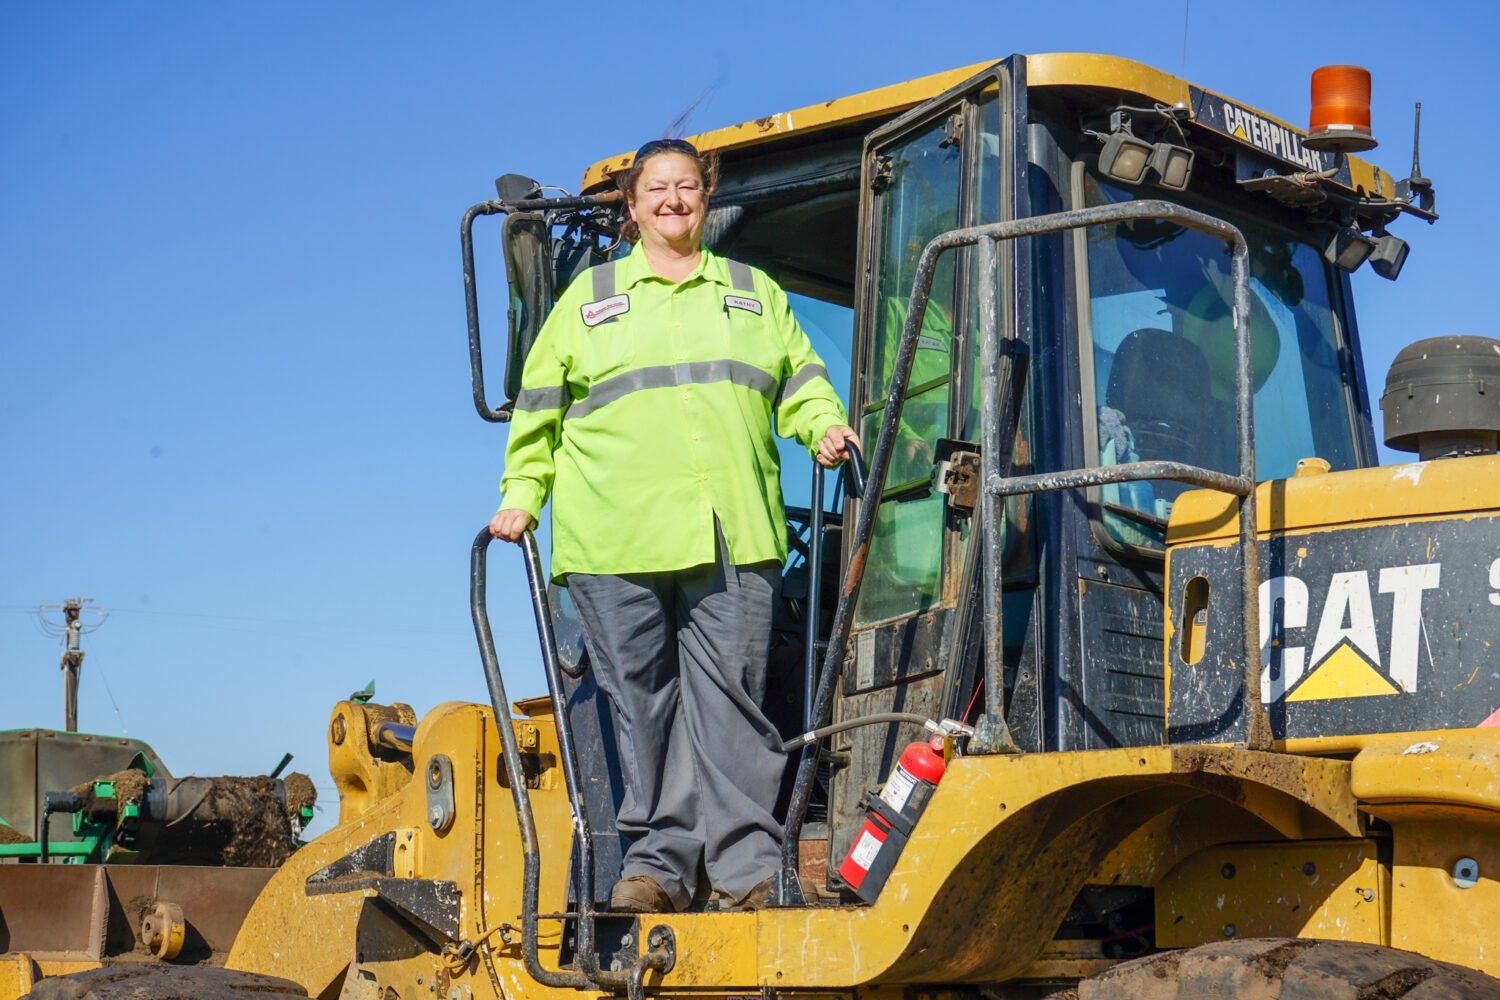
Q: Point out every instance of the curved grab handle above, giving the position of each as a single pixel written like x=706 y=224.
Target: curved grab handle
x=501 y=413
x=511 y=755
x=854 y=479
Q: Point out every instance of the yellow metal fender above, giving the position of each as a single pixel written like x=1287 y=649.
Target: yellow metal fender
x=1440 y=795
x=1001 y=852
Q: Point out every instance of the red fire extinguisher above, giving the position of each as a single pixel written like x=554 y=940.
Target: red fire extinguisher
x=890 y=818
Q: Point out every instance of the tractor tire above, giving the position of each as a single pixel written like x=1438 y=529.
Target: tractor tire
x=1286 y=969
x=163 y=982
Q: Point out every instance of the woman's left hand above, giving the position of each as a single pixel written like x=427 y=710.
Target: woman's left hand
x=831 y=450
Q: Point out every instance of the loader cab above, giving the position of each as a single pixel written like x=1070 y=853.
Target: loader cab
x=1120 y=342
x=1118 y=348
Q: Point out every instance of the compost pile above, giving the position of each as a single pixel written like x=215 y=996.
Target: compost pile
x=229 y=821
x=129 y=785
x=239 y=822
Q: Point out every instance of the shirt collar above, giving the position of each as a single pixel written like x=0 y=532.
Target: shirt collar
x=634 y=268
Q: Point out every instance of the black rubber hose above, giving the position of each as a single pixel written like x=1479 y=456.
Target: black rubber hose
x=879 y=718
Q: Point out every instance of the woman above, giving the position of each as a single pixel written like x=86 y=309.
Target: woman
x=646 y=415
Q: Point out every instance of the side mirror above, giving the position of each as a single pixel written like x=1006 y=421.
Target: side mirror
x=516 y=187
x=528 y=272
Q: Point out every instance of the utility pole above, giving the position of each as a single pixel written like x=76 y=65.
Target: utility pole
x=71 y=630
x=72 y=661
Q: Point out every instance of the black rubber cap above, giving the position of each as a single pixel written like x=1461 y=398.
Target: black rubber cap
x=1442 y=385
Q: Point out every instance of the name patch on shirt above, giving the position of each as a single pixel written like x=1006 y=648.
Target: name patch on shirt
x=740 y=302
x=595 y=313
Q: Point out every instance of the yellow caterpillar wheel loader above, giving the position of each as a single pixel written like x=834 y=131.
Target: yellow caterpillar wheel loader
x=1125 y=672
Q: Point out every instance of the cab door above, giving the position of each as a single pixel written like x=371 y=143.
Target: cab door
x=944 y=165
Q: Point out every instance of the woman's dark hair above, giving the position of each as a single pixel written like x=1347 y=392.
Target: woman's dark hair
x=708 y=174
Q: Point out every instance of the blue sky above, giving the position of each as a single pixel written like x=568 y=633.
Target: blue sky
x=233 y=372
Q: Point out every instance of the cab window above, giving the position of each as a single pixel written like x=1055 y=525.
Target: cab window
x=918 y=200
x=1160 y=347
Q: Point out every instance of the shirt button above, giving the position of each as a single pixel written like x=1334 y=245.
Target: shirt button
x=681 y=356
x=687 y=396
x=705 y=477
x=695 y=437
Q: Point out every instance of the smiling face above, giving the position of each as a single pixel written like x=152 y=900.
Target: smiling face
x=668 y=202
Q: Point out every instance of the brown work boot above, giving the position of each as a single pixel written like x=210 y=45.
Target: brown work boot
x=757 y=898
x=639 y=894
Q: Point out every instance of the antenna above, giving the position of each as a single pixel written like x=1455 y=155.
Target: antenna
x=1186 y=8
x=1416 y=187
x=1416 y=149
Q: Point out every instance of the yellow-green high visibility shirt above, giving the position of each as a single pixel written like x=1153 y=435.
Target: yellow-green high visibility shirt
x=647 y=409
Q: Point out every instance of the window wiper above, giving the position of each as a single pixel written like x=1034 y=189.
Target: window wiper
x=1138 y=516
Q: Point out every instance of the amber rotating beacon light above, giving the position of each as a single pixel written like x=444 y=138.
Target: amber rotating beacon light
x=1340 y=119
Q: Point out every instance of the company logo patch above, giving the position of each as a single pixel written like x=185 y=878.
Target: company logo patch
x=595 y=313
x=740 y=302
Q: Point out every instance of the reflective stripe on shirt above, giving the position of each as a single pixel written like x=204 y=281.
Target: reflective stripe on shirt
x=667 y=376
x=552 y=397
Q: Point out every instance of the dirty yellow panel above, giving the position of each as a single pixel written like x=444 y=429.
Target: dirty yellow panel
x=1151 y=851
x=711 y=947
x=1445 y=883
x=16 y=976
x=1416 y=490
x=1461 y=767
x=1329 y=889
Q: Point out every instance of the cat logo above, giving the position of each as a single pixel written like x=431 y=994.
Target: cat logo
x=1348 y=658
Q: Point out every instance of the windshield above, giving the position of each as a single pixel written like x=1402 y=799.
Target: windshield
x=1161 y=350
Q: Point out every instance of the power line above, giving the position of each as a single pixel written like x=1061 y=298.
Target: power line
x=116 y=705
x=277 y=621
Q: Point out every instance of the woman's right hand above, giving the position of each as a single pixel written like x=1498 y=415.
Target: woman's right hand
x=510 y=525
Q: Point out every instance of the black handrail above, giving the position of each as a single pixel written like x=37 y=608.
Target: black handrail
x=584 y=951
x=511 y=753
x=852 y=479
x=814 y=593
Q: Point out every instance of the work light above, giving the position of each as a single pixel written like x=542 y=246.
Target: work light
x=1125 y=157
x=1173 y=165
x=1389 y=255
x=1348 y=248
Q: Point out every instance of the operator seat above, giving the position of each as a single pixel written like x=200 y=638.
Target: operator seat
x=1160 y=383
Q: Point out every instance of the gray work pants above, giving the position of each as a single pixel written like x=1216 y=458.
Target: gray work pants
x=682 y=658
